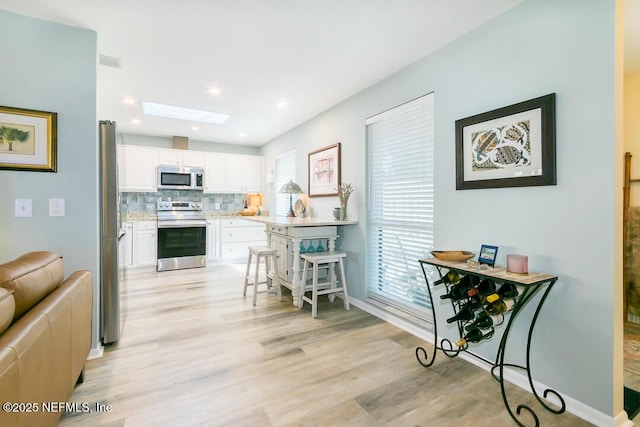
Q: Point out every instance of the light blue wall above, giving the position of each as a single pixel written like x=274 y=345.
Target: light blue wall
x=537 y=48
x=52 y=67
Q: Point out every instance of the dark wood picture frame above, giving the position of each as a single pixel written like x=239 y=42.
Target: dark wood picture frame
x=324 y=168
x=513 y=146
x=28 y=140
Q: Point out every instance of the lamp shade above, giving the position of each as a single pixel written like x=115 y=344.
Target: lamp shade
x=290 y=188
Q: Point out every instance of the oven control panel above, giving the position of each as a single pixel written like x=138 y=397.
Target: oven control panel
x=164 y=205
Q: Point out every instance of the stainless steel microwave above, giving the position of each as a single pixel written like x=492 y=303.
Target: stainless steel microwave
x=180 y=178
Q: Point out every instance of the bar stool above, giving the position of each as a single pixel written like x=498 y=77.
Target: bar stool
x=329 y=259
x=268 y=254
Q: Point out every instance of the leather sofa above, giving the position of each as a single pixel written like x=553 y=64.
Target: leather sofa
x=45 y=337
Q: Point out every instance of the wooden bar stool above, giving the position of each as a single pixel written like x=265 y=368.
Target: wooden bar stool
x=268 y=254
x=329 y=287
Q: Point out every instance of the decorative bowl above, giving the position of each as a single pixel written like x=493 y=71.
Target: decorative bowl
x=453 y=255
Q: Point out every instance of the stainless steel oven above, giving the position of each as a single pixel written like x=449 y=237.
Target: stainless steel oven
x=182 y=235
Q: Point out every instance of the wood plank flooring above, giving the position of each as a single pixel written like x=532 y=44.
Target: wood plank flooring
x=195 y=352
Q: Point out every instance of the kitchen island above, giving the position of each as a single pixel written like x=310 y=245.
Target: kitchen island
x=293 y=236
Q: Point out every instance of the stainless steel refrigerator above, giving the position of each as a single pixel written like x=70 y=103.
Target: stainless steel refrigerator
x=112 y=309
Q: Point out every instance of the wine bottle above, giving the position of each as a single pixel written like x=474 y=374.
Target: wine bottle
x=460 y=289
x=485 y=320
x=450 y=278
x=473 y=294
x=475 y=335
x=465 y=313
x=508 y=290
x=486 y=287
x=499 y=305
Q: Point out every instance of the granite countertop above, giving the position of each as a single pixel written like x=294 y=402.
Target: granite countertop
x=297 y=222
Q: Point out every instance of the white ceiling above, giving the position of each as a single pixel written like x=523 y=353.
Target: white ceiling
x=310 y=54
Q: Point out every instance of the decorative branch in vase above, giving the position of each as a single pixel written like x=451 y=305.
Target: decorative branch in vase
x=344 y=191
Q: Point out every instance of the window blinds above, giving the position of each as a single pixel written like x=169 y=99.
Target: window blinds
x=400 y=204
x=285 y=172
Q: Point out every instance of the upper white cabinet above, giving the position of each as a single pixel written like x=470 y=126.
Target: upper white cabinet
x=215 y=173
x=137 y=168
x=177 y=157
x=232 y=173
x=244 y=174
x=223 y=173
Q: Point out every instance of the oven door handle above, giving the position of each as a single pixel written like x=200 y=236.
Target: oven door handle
x=181 y=224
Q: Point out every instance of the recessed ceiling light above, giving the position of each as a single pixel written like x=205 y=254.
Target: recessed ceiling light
x=282 y=104
x=214 y=91
x=173 y=112
x=195 y=128
x=135 y=121
x=242 y=134
x=128 y=100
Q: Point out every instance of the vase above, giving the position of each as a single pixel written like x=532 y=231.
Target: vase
x=343 y=209
x=336 y=214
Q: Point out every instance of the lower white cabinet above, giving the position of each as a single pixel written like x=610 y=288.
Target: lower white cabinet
x=213 y=242
x=125 y=246
x=236 y=235
x=145 y=243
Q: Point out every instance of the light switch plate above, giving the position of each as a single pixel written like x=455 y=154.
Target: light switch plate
x=23 y=208
x=56 y=207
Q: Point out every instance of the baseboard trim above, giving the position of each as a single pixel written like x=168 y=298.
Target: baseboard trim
x=573 y=406
x=96 y=353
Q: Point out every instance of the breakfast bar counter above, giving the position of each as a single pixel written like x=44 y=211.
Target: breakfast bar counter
x=293 y=236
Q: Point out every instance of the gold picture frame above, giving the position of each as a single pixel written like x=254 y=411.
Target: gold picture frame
x=28 y=140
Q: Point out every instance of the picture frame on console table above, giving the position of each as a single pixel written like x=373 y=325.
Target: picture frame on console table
x=513 y=146
x=28 y=140
x=324 y=171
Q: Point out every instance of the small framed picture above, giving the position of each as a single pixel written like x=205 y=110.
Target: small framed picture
x=488 y=255
x=28 y=140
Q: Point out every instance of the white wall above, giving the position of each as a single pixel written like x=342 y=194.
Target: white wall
x=52 y=67
x=566 y=47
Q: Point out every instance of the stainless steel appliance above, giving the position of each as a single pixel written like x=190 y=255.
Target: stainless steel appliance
x=180 y=178
x=112 y=304
x=182 y=235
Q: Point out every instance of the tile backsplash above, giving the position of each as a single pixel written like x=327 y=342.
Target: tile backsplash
x=147 y=202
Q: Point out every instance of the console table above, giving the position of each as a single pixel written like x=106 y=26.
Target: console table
x=288 y=235
x=531 y=284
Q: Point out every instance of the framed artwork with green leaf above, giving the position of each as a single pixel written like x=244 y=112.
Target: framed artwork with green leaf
x=28 y=140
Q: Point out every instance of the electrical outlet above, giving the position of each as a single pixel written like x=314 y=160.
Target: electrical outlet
x=217 y=205
x=56 y=207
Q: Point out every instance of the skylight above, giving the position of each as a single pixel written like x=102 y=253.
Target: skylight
x=173 y=112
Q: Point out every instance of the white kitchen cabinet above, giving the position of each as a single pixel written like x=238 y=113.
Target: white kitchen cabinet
x=213 y=242
x=244 y=173
x=215 y=173
x=283 y=257
x=125 y=246
x=137 y=168
x=177 y=157
x=145 y=243
x=236 y=235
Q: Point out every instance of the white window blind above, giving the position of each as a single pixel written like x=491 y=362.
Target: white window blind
x=400 y=204
x=285 y=172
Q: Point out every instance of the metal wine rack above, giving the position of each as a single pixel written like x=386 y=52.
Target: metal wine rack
x=530 y=285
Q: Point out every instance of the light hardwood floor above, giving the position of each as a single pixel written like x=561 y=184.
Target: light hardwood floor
x=195 y=352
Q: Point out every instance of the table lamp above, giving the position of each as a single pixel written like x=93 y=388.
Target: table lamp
x=291 y=188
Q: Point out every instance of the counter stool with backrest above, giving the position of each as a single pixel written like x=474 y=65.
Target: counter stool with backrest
x=268 y=255
x=329 y=287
